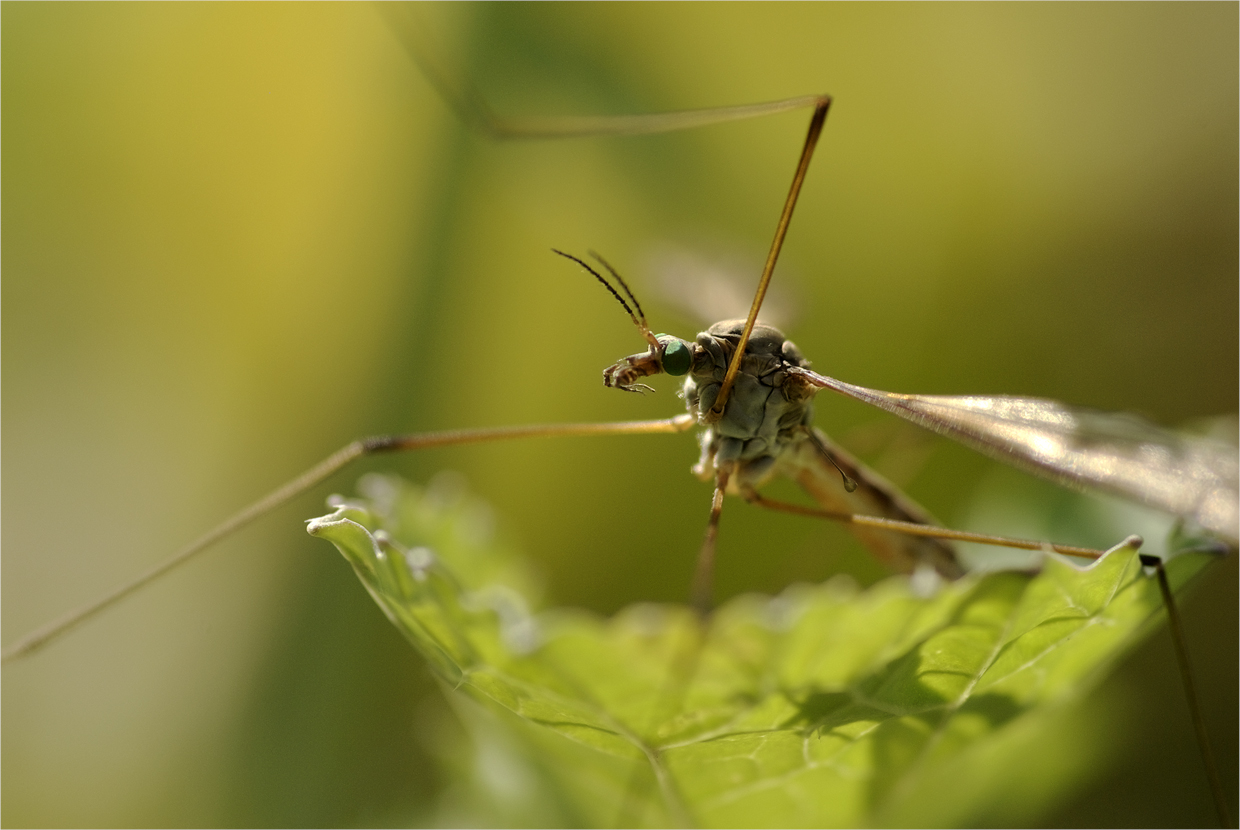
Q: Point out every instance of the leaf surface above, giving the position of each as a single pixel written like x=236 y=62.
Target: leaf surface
x=823 y=706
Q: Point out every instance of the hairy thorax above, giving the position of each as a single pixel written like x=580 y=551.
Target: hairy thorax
x=765 y=414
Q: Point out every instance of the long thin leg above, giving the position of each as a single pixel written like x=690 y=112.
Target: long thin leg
x=781 y=230
x=332 y=464
x=914 y=529
x=704 y=573
x=469 y=105
x=473 y=110
x=1190 y=689
x=1177 y=630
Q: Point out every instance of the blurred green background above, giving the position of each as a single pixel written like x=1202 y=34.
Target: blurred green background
x=238 y=236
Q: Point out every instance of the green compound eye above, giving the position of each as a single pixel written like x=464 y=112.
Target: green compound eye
x=677 y=359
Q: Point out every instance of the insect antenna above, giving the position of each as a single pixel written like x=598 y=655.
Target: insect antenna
x=641 y=314
x=638 y=317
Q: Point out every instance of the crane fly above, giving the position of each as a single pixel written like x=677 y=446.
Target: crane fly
x=830 y=473
x=749 y=388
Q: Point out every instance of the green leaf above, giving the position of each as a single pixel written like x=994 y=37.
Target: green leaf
x=823 y=706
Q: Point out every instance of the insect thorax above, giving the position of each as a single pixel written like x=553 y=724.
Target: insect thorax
x=764 y=416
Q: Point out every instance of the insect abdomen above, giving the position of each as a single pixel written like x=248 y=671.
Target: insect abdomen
x=874 y=496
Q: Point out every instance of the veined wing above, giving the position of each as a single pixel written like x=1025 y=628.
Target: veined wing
x=1185 y=475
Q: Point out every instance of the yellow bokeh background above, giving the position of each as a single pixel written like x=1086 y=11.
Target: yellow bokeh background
x=238 y=236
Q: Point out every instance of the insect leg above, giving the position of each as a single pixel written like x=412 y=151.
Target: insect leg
x=914 y=529
x=1190 y=689
x=704 y=572
x=328 y=466
x=472 y=109
x=781 y=230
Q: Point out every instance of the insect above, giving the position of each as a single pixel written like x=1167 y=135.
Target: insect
x=928 y=224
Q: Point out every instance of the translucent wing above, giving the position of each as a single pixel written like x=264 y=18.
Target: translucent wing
x=1186 y=475
x=710 y=289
